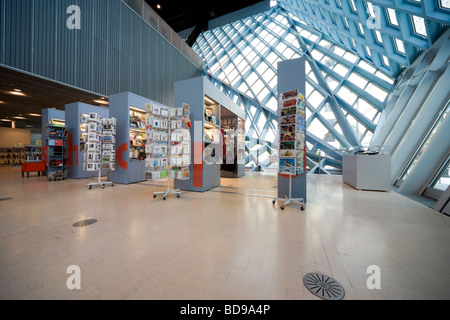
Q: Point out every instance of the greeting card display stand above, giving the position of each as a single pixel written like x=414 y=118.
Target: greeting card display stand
x=168 y=145
x=292 y=150
x=100 y=147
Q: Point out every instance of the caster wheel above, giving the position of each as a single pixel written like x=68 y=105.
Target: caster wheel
x=164 y=198
x=112 y=185
x=90 y=187
x=178 y=196
x=302 y=208
x=154 y=196
x=273 y=202
x=103 y=186
x=282 y=208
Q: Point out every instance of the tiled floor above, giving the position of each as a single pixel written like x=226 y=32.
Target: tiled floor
x=215 y=245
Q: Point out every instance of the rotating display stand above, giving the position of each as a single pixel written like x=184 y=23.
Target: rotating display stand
x=168 y=145
x=100 y=147
x=292 y=149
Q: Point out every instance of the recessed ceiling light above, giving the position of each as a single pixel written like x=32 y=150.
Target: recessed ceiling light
x=158 y=6
x=2 y=102
x=5 y=120
x=35 y=115
x=101 y=102
x=17 y=90
x=20 y=118
x=209 y=100
x=17 y=93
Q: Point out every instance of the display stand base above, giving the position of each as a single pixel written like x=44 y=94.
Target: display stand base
x=167 y=192
x=287 y=201
x=100 y=182
x=103 y=184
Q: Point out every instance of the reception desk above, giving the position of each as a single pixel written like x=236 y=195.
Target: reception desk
x=367 y=172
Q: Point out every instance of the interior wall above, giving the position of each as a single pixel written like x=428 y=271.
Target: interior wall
x=115 y=50
x=9 y=137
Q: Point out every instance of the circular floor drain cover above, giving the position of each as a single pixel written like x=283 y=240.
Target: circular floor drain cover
x=84 y=223
x=323 y=286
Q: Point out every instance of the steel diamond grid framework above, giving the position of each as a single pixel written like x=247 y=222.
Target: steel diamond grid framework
x=345 y=92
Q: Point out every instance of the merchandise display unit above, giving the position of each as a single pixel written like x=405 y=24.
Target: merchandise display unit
x=33 y=160
x=56 y=144
x=6 y=156
x=168 y=145
x=130 y=111
x=205 y=101
x=18 y=156
x=100 y=149
x=137 y=134
x=54 y=117
x=292 y=152
x=13 y=156
x=33 y=154
x=232 y=128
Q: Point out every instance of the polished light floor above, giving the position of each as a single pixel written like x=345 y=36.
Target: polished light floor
x=229 y=243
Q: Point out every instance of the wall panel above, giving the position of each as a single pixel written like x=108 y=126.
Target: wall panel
x=114 y=51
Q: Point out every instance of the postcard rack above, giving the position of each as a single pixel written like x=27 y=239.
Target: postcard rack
x=100 y=147
x=168 y=145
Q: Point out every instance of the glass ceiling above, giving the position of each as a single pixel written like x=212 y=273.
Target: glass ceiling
x=348 y=81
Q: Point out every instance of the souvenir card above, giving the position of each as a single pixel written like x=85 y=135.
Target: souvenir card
x=156 y=123
x=186 y=135
x=164 y=137
x=164 y=112
x=94 y=117
x=156 y=109
x=186 y=160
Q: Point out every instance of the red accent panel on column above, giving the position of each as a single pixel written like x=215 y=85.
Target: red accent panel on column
x=44 y=153
x=72 y=148
x=197 y=175
x=119 y=156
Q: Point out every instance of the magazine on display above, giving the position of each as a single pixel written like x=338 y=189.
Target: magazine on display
x=291 y=115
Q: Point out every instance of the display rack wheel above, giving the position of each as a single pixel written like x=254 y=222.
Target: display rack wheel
x=273 y=202
x=164 y=198
x=302 y=208
x=282 y=208
x=89 y=187
x=154 y=196
x=103 y=186
x=112 y=185
x=179 y=196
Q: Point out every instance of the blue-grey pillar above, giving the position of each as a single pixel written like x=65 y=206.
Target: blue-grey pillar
x=291 y=76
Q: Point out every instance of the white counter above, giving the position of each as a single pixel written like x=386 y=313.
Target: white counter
x=367 y=172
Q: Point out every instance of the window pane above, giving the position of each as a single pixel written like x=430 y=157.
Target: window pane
x=392 y=16
x=444 y=179
x=419 y=25
x=358 y=80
